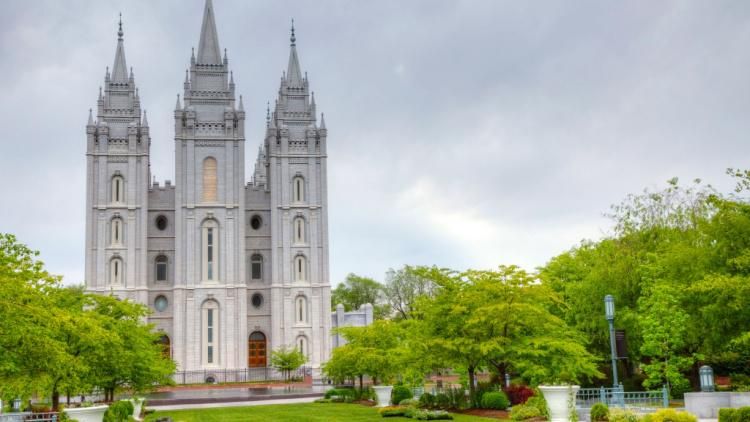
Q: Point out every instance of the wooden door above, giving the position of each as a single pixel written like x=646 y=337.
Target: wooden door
x=256 y=350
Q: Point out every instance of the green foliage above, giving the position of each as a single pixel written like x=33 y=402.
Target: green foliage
x=392 y=411
x=442 y=401
x=287 y=359
x=428 y=415
x=403 y=288
x=620 y=415
x=340 y=392
x=599 y=412
x=119 y=411
x=741 y=414
x=495 y=400
x=355 y=291
x=480 y=390
x=427 y=400
x=322 y=401
x=400 y=393
x=409 y=402
x=669 y=415
x=523 y=412
x=539 y=403
x=456 y=398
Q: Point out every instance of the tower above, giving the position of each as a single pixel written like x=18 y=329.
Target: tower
x=209 y=287
x=295 y=152
x=117 y=169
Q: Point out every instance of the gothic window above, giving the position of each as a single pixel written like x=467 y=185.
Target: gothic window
x=161 y=303
x=300 y=268
x=298 y=189
x=118 y=189
x=210 y=251
x=116 y=235
x=161 y=268
x=161 y=222
x=301 y=310
x=209 y=180
x=256 y=267
x=257 y=300
x=115 y=271
x=302 y=345
x=256 y=222
x=299 y=230
x=210 y=335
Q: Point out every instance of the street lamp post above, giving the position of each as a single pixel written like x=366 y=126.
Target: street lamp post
x=609 y=310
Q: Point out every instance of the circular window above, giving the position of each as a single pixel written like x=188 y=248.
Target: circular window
x=161 y=222
x=161 y=303
x=257 y=300
x=255 y=222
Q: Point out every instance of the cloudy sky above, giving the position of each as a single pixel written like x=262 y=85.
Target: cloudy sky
x=461 y=133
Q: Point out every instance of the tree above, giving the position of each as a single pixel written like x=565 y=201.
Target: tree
x=355 y=291
x=402 y=289
x=287 y=359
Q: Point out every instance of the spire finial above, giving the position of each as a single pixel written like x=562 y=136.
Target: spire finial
x=145 y=119
x=322 y=121
x=178 y=106
x=119 y=31
x=293 y=39
x=91 y=118
x=241 y=106
x=268 y=111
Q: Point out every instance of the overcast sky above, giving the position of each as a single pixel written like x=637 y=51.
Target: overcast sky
x=465 y=134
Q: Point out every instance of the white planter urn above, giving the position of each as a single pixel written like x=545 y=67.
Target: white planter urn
x=384 y=394
x=87 y=414
x=137 y=406
x=557 y=397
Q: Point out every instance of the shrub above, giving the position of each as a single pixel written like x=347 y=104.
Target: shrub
x=618 y=415
x=426 y=400
x=518 y=394
x=427 y=415
x=480 y=390
x=400 y=393
x=522 y=412
x=409 y=402
x=537 y=401
x=734 y=415
x=322 y=401
x=670 y=415
x=599 y=412
x=495 y=400
x=366 y=393
x=340 y=392
x=41 y=407
x=119 y=411
x=442 y=401
x=392 y=411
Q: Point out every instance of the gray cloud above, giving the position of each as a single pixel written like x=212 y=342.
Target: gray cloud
x=463 y=134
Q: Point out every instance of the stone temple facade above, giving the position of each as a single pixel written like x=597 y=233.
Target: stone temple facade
x=231 y=270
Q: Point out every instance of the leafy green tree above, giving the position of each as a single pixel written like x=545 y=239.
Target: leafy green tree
x=355 y=291
x=402 y=289
x=287 y=359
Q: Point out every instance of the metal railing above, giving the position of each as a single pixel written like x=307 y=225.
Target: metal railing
x=239 y=375
x=618 y=397
x=28 y=416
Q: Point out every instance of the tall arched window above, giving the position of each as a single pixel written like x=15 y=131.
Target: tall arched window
x=116 y=235
x=115 y=271
x=298 y=189
x=300 y=310
x=161 y=268
x=210 y=335
x=118 y=189
x=256 y=267
x=302 y=345
x=300 y=268
x=166 y=346
x=209 y=180
x=299 y=230
x=210 y=253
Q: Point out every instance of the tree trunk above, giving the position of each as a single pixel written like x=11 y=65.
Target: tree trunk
x=361 y=385
x=55 y=398
x=471 y=381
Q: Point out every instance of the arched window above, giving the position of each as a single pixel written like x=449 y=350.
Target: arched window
x=118 y=189
x=115 y=271
x=161 y=268
x=116 y=235
x=210 y=248
x=209 y=180
x=210 y=334
x=302 y=345
x=298 y=189
x=300 y=310
x=299 y=230
x=256 y=267
x=166 y=346
x=300 y=268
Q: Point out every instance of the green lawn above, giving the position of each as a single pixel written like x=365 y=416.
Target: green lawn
x=288 y=412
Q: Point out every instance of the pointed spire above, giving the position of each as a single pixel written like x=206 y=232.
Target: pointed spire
x=178 y=106
x=100 y=94
x=268 y=112
x=186 y=77
x=231 y=78
x=226 y=59
x=208 y=46
x=312 y=98
x=145 y=119
x=322 y=121
x=241 y=107
x=91 y=118
x=120 y=68
x=293 y=73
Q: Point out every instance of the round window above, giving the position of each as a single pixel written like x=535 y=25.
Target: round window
x=161 y=303
x=161 y=222
x=257 y=300
x=255 y=222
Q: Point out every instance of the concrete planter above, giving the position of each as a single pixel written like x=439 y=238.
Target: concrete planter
x=87 y=414
x=707 y=405
x=137 y=406
x=557 y=397
x=383 y=392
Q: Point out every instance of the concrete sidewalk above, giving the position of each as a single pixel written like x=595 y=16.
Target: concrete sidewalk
x=234 y=404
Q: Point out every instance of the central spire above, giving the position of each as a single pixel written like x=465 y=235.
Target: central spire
x=293 y=73
x=208 y=46
x=120 y=68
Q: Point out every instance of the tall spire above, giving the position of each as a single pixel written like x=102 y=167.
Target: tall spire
x=120 y=69
x=208 y=46
x=293 y=73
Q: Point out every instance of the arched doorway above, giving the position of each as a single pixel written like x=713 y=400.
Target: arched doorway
x=166 y=346
x=256 y=350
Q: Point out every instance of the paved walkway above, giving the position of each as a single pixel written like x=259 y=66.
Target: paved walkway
x=234 y=404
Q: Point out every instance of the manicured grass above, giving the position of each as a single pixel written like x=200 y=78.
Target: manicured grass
x=288 y=412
